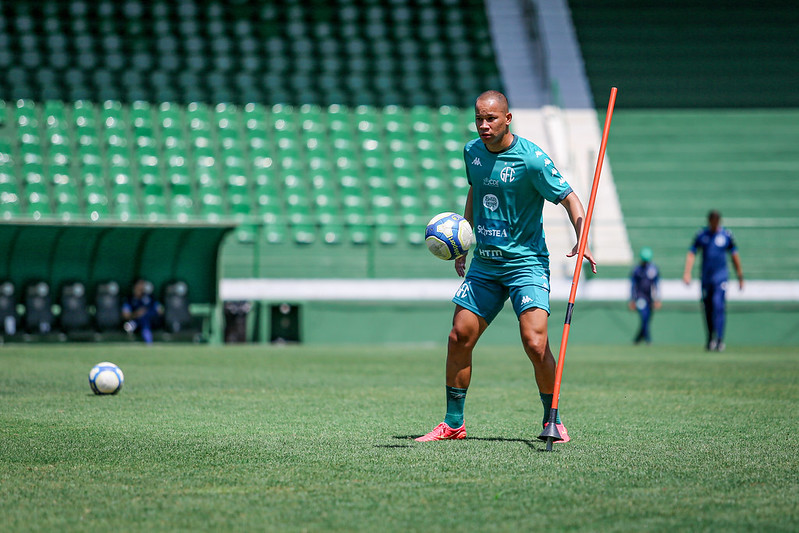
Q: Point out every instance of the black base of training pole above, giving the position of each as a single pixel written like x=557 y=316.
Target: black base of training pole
x=551 y=433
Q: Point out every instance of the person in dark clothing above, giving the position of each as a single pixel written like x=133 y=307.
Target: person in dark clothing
x=141 y=311
x=645 y=295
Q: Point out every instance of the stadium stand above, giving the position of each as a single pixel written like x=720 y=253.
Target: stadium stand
x=309 y=123
x=308 y=173
x=689 y=54
x=351 y=52
x=736 y=67
x=329 y=132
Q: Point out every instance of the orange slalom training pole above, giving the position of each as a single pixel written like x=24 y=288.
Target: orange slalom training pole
x=551 y=433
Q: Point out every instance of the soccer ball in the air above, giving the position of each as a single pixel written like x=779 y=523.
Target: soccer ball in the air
x=448 y=236
x=106 y=378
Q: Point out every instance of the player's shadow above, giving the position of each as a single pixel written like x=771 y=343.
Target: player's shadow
x=533 y=444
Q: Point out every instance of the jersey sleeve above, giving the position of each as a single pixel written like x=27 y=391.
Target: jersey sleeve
x=466 y=164
x=731 y=246
x=547 y=179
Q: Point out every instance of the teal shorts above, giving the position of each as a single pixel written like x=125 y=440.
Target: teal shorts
x=486 y=288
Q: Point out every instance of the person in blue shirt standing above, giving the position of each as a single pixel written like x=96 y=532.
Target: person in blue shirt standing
x=714 y=242
x=645 y=294
x=510 y=178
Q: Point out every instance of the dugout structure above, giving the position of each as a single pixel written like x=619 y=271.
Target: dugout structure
x=60 y=253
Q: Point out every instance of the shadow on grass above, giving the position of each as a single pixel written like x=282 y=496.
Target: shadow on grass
x=533 y=444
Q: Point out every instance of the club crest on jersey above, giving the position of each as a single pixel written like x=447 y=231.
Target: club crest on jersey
x=507 y=174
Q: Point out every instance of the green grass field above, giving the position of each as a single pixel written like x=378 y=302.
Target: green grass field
x=314 y=439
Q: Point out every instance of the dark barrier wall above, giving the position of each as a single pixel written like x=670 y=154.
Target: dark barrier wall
x=93 y=254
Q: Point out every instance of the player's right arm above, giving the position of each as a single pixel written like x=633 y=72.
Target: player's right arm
x=690 y=257
x=460 y=263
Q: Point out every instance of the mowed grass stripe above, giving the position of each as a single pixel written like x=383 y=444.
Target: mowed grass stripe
x=320 y=439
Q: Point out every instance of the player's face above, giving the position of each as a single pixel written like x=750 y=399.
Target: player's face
x=493 y=124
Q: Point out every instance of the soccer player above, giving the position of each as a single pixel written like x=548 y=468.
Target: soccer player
x=510 y=178
x=644 y=296
x=715 y=242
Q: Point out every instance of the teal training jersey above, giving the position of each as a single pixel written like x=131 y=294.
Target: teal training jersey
x=508 y=193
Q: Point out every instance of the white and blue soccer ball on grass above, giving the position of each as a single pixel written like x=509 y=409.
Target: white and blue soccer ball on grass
x=106 y=378
x=448 y=236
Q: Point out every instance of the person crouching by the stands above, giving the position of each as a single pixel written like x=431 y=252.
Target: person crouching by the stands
x=141 y=311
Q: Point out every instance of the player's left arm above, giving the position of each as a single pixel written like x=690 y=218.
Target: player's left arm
x=656 y=301
x=577 y=216
x=736 y=261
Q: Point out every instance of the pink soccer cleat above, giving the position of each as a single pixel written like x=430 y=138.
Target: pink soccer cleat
x=444 y=432
x=564 y=435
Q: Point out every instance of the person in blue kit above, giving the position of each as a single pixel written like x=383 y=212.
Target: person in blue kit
x=510 y=179
x=141 y=311
x=715 y=242
x=645 y=294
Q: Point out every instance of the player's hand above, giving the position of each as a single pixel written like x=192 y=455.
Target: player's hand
x=686 y=278
x=741 y=283
x=460 y=265
x=587 y=255
x=631 y=305
x=657 y=305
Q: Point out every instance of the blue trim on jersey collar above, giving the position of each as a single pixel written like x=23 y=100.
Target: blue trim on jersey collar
x=512 y=144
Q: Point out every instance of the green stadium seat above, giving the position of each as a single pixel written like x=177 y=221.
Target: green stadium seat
x=303 y=233
x=354 y=210
x=54 y=117
x=387 y=233
x=154 y=207
x=181 y=206
x=255 y=117
x=125 y=208
x=31 y=155
x=360 y=233
x=37 y=206
x=118 y=156
x=169 y=116
x=414 y=234
x=9 y=205
x=96 y=204
x=212 y=206
x=332 y=233
x=326 y=209
x=179 y=181
x=89 y=155
x=141 y=116
x=240 y=206
x=67 y=205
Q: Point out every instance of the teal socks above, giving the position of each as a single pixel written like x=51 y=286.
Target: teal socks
x=456 y=399
x=546 y=399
